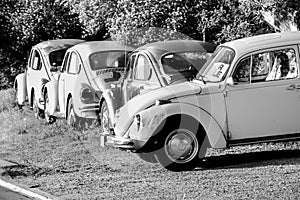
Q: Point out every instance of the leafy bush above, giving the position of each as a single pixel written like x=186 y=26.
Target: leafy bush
x=139 y=22
x=25 y=23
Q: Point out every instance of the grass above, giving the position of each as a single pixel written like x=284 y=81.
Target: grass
x=71 y=164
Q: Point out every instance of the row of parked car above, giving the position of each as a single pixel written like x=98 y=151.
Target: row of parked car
x=170 y=101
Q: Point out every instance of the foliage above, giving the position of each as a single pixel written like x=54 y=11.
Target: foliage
x=231 y=19
x=285 y=11
x=92 y=15
x=25 y=23
x=138 y=22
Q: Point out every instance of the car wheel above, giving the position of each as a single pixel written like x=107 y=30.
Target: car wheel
x=105 y=122
x=71 y=117
x=179 y=149
x=49 y=119
x=38 y=113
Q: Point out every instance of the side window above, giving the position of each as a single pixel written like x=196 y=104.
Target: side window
x=267 y=66
x=129 y=67
x=284 y=65
x=242 y=71
x=65 y=62
x=74 y=64
x=36 y=62
x=142 y=69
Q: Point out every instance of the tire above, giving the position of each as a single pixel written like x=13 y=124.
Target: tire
x=180 y=147
x=38 y=113
x=105 y=122
x=71 y=116
x=49 y=119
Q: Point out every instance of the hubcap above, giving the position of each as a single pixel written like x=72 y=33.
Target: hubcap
x=181 y=146
x=71 y=116
x=35 y=108
x=105 y=119
x=47 y=116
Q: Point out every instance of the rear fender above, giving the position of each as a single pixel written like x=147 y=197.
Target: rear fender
x=52 y=90
x=154 y=118
x=20 y=86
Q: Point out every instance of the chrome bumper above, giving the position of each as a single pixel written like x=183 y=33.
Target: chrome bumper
x=117 y=142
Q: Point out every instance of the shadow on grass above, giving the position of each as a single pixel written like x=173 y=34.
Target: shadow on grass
x=249 y=160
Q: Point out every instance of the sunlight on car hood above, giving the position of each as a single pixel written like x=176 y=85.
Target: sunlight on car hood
x=125 y=114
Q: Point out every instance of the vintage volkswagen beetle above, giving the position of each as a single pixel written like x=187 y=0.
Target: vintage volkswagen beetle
x=44 y=60
x=152 y=66
x=248 y=92
x=88 y=70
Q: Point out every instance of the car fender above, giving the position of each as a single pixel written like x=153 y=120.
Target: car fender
x=154 y=118
x=20 y=86
x=52 y=90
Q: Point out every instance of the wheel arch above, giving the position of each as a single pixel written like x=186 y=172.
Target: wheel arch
x=203 y=123
x=67 y=104
x=30 y=99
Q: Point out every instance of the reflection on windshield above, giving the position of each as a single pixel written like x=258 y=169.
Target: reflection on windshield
x=56 y=57
x=218 y=66
x=108 y=59
x=183 y=64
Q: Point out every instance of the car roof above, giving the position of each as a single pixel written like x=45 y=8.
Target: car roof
x=178 y=46
x=263 y=41
x=88 y=48
x=53 y=45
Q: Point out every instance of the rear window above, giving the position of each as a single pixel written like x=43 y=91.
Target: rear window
x=56 y=57
x=108 y=59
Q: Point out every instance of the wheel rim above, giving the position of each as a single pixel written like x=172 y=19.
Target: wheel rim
x=35 y=107
x=71 y=116
x=105 y=118
x=47 y=111
x=181 y=146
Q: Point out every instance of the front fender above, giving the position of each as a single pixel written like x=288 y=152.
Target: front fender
x=20 y=86
x=52 y=90
x=152 y=121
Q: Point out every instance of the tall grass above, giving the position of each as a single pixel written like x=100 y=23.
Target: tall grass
x=32 y=142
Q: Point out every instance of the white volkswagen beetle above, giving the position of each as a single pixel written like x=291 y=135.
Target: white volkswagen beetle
x=248 y=92
x=88 y=69
x=44 y=60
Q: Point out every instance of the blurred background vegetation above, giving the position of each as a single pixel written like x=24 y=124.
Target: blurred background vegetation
x=24 y=23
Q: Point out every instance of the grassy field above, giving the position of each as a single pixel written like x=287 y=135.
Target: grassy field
x=71 y=164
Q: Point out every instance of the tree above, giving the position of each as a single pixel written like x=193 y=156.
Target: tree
x=226 y=20
x=24 y=23
x=137 y=22
x=92 y=15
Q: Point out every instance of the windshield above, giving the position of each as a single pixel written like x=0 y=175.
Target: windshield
x=108 y=59
x=56 y=57
x=217 y=67
x=183 y=64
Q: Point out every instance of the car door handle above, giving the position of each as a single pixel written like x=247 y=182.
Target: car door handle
x=293 y=87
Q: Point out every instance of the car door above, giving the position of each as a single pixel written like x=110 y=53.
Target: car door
x=68 y=78
x=142 y=77
x=61 y=83
x=36 y=72
x=258 y=107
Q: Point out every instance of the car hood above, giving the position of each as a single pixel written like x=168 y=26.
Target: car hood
x=124 y=116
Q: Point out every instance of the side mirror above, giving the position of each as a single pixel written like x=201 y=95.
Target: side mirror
x=230 y=81
x=53 y=69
